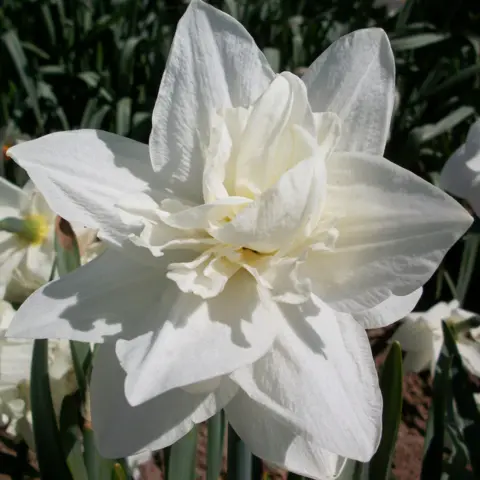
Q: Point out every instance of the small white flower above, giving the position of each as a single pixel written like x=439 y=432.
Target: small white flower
x=461 y=174
x=243 y=268
x=27 y=257
x=15 y=365
x=421 y=336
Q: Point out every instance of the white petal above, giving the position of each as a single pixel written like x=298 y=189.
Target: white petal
x=418 y=361
x=213 y=63
x=108 y=297
x=470 y=352
x=440 y=311
x=11 y=255
x=15 y=360
x=413 y=335
x=321 y=379
x=394 y=230
x=194 y=340
x=283 y=211
x=6 y=315
x=11 y=198
x=123 y=430
x=456 y=177
x=269 y=438
x=83 y=174
x=355 y=78
x=461 y=172
x=268 y=146
x=390 y=310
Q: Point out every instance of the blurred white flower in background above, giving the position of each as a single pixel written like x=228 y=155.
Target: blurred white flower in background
x=242 y=271
x=27 y=256
x=392 y=6
x=15 y=365
x=421 y=336
x=461 y=174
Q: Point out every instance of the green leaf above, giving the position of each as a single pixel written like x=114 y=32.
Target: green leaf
x=466 y=406
x=118 y=472
x=98 y=468
x=467 y=266
x=123 y=116
x=426 y=133
x=14 y=47
x=127 y=60
x=239 y=458
x=434 y=438
x=50 y=454
x=71 y=436
x=404 y=15
x=182 y=459
x=391 y=386
x=216 y=434
x=96 y=120
x=453 y=80
x=420 y=40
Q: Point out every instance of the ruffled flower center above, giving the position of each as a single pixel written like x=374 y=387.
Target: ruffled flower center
x=264 y=190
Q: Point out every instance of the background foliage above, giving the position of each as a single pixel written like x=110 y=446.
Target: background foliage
x=67 y=64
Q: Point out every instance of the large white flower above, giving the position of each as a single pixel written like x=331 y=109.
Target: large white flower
x=15 y=366
x=461 y=173
x=243 y=269
x=421 y=336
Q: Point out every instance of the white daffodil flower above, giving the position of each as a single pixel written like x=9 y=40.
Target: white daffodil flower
x=461 y=174
x=15 y=365
x=249 y=246
x=421 y=336
x=27 y=257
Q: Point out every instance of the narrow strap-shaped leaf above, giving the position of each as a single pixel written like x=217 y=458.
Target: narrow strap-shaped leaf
x=19 y=59
x=118 y=472
x=464 y=400
x=216 y=434
x=50 y=454
x=98 y=468
x=71 y=436
x=239 y=458
x=404 y=15
x=391 y=386
x=182 y=459
x=467 y=266
x=257 y=467
x=434 y=440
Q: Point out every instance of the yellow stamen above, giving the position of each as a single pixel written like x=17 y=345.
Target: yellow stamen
x=35 y=231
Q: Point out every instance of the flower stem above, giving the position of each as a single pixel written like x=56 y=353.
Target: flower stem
x=239 y=458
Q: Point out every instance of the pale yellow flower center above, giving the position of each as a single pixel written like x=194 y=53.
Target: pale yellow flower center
x=35 y=229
